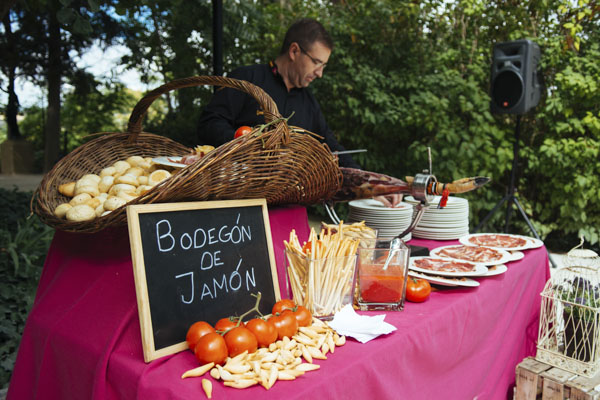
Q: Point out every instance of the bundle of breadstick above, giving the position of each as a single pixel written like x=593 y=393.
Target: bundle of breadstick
x=358 y=230
x=321 y=273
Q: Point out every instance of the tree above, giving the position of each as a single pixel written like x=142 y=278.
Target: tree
x=45 y=35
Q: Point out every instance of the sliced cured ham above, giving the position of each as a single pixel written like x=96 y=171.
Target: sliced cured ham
x=436 y=264
x=493 y=240
x=471 y=253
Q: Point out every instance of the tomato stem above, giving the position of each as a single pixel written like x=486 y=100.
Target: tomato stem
x=253 y=309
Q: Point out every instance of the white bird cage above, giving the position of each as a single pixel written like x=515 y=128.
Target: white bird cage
x=569 y=333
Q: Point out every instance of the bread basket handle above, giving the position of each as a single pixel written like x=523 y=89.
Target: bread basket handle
x=134 y=126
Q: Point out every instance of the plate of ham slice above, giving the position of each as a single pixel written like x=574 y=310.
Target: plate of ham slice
x=174 y=161
x=446 y=267
x=445 y=281
x=474 y=254
x=504 y=241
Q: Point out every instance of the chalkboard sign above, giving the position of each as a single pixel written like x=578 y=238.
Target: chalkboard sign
x=198 y=261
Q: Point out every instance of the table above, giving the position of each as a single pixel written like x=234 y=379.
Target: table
x=82 y=338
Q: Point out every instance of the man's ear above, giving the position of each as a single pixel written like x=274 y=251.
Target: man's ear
x=294 y=51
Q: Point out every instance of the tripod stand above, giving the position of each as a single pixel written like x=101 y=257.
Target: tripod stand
x=511 y=197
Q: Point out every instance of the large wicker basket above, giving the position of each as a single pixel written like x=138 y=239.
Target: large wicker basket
x=283 y=164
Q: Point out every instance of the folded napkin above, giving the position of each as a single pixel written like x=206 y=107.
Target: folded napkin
x=361 y=327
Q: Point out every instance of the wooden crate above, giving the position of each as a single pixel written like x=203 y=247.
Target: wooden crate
x=538 y=380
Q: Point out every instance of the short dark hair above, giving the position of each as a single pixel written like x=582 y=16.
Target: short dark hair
x=305 y=32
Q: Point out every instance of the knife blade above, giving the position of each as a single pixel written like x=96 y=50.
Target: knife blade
x=349 y=151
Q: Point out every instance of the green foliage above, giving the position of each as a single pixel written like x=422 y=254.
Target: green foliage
x=24 y=242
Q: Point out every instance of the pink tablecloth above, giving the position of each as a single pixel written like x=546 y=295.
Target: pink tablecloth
x=82 y=338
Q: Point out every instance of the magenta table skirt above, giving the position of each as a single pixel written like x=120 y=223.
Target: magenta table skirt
x=82 y=339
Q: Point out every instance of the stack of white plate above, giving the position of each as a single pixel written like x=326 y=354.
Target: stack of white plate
x=389 y=222
x=450 y=222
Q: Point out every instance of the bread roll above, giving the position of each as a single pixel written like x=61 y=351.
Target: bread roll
x=91 y=189
x=108 y=171
x=142 y=189
x=113 y=202
x=128 y=180
x=94 y=202
x=81 y=212
x=115 y=189
x=102 y=197
x=93 y=177
x=121 y=166
x=99 y=210
x=135 y=171
x=135 y=160
x=146 y=165
x=62 y=209
x=106 y=183
x=158 y=176
x=127 y=195
x=142 y=180
x=67 y=189
x=80 y=199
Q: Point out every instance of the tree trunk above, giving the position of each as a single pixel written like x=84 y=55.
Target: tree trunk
x=52 y=136
x=12 y=107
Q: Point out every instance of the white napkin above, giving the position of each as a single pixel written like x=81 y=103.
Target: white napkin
x=361 y=327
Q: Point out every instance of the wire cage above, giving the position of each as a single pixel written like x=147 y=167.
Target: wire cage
x=569 y=331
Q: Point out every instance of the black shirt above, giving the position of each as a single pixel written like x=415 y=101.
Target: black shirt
x=231 y=108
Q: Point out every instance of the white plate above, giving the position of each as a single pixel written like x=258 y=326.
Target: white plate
x=517 y=255
x=532 y=243
x=374 y=205
x=438 y=280
x=506 y=256
x=170 y=161
x=496 y=270
x=478 y=269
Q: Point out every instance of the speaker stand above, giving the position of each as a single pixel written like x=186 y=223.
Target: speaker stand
x=511 y=197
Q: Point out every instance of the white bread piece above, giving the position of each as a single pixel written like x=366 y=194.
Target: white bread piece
x=99 y=210
x=115 y=189
x=142 y=180
x=135 y=171
x=93 y=177
x=127 y=195
x=121 y=166
x=81 y=212
x=61 y=210
x=88 y=187
x=113 y=202
x=80 y=199
x=135 y=160
x=106 y=183
x=102 y=197
x=108 y=171
x=128 y=180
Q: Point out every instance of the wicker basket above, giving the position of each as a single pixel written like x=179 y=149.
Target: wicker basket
x=280 y=163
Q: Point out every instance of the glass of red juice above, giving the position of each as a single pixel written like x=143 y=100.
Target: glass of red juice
x=379 y=288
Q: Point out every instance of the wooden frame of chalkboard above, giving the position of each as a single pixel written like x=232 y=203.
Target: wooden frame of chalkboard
x=198 y=261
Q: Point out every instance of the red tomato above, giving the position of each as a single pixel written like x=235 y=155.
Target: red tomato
x=285 y=323
x=239 y=340
x=303 y=316
x=211 y=348
x=242 y=130
x=417 y=290
x=225 y=324
x=265 y=331
x=196 y=331
x=283 y=304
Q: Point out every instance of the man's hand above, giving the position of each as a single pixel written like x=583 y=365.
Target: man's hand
x=390 y=200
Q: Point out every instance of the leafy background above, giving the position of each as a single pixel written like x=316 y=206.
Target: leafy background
x=403 y=76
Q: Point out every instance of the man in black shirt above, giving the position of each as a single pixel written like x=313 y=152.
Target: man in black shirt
x=303 y=57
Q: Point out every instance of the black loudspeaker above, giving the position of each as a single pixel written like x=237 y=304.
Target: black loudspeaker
x=515 y=85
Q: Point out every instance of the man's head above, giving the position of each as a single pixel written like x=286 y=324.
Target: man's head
x=306 y=47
